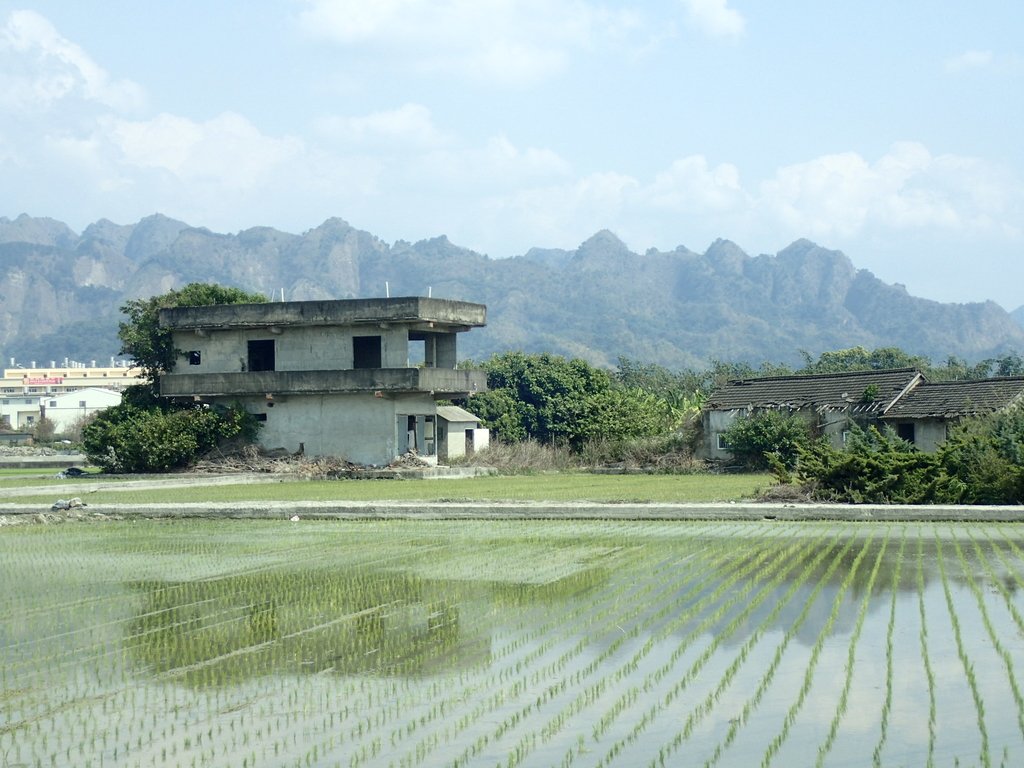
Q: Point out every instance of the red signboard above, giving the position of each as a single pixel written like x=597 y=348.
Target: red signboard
x=50 y=380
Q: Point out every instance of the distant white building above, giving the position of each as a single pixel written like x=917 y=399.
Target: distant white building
x=22 y=382
x=64 y=409
x=67 y=409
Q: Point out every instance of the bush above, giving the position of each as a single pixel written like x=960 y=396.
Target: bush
x=562 y=402
x=767 y=438
x=983 y=461
x=874 y=468
x=127 y=438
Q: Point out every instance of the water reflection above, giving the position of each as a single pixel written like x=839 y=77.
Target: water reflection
x=222 y=631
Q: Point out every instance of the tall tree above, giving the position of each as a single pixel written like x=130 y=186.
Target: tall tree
x=150 y=345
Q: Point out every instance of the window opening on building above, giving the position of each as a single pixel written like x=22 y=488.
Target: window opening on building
x=366 y=352
x=261 y=355
x=195 y=357
x=905 y=432
x=417 y=352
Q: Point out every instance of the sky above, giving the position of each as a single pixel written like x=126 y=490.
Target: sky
x=888 y=130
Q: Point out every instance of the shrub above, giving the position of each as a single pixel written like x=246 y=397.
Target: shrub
x=875 y=467
x=983 y=461
x=127 y=438
x=761 y=439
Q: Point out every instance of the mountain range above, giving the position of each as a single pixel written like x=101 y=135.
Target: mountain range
x=60 y=292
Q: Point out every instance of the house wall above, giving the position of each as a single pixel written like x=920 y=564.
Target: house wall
x=361 y=428
x=929 y=434
x=65 y=409
x=832 y=425
x=295 y=349
x=20 y=412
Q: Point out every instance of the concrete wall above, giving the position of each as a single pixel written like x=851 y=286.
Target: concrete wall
x=316 y=348
x=358 y=427
x=715 y=423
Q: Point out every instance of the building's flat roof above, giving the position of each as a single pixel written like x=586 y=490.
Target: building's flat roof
x=444 y=314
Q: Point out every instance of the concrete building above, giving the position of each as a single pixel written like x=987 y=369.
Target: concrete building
x=459 y=433
x=356 y=378
x=925 y=415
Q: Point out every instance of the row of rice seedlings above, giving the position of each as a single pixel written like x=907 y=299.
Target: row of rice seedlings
x=987 y=621
x=680 y=608
x=614 y=628
x=776 y=743
x=851 y=658
x=979 y=705
x=876 y=755
x=786 y=558
x=754 y=701
x=435 y=711
x=581 y=623
x=756 y=635
x=1012 y=572
x=925 y=656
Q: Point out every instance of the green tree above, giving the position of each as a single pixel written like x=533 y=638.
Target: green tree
x=554 y=400
x=861 y=359
x=147 y=433
x=150 y=345
x=764 y=438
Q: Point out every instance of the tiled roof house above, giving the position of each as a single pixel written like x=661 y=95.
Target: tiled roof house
x=831 y=402
x=923 y=416
x=919 y=411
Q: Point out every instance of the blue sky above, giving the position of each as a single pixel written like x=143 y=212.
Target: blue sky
x=890 y=131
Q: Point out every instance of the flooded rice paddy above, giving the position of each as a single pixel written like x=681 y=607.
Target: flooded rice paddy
x=481 y=643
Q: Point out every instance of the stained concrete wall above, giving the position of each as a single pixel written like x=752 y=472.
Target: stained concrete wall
x=358 y=427
x=316 y=348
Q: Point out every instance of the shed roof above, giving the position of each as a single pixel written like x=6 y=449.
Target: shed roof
x=452 y=413
x=951 y=399
x=850 y=391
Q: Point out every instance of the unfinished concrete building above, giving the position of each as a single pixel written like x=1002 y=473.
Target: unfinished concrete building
x=355 y=378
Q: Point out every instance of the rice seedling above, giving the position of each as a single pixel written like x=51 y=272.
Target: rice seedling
x=512 y=643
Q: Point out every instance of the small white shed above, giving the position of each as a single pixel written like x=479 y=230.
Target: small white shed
x=459 y=433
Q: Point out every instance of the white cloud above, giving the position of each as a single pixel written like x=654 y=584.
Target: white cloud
x=970 y=60
x=559 y=215
x=514 y=42
x=39 y=67
x=690 y=184
x=410 y=124
x=908 y=188
x=715 y=17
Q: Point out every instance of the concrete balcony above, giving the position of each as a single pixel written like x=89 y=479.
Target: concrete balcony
x=443 y=383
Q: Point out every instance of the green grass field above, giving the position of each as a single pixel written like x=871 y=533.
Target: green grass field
x=560 y=487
